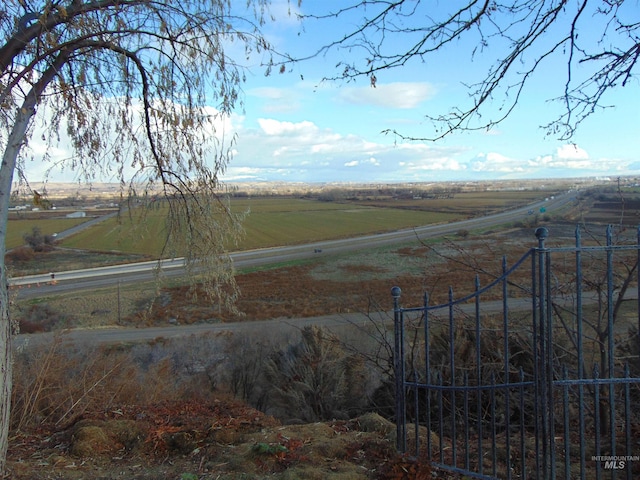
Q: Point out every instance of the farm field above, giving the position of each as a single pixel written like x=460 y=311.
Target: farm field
x=332 y=285
x=465 y=203
x=48 y=226
x=275 y=221
x=312 y=288
x=268 y=222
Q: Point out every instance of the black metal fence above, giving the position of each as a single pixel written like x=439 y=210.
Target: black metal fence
x=533 y=375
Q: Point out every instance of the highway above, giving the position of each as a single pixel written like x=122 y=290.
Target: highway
x=74 y=280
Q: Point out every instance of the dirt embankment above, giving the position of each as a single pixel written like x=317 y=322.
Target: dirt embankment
x=222 y=439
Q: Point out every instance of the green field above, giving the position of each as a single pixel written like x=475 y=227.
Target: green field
x=269 y=222
x=48 y=226
x=280 y=220
x=127 y=234
x=274 y=222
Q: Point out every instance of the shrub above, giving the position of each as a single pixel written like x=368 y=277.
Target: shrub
x=310 y=378
x=490 y=371
x=20 y=254
x=247 y=356
x=39 y=242
x=316 y=379
x=57 y=382
x=42 y=318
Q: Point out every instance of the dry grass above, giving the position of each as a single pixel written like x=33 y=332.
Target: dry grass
x=94 y=309
x=219 y=439
x=161 y=411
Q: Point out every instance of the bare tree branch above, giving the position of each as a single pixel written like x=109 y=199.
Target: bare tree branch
x=524 y=35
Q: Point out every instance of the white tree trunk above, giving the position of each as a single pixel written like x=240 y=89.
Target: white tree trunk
x=14 y=144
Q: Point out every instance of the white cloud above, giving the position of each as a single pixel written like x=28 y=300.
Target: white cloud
x=496 y=163
x=567 y=156
x=571 y=152
x=366 y=163
x=276 y=128
x=572 y=160
x=433 y=164
x=404 y=95
x=420 y=157
x=310 y=153
x=299 y=151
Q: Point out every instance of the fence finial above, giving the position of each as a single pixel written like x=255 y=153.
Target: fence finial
x=541 y=234
x=396 y=292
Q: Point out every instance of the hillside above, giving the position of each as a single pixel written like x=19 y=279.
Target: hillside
x=211 y=436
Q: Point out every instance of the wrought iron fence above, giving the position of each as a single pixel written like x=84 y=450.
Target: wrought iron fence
x=535 y=378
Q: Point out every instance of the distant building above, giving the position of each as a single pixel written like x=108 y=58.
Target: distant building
x=76 y=215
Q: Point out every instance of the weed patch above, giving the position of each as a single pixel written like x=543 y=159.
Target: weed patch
x=40 y=318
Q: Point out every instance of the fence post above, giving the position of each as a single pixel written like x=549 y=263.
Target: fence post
x=638 y=282
x=398 y=366
x=544 y=363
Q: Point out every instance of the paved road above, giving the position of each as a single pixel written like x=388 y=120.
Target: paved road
x=124 y=335
x=134 y=335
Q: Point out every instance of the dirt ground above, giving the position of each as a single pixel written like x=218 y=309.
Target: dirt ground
x=218 y=440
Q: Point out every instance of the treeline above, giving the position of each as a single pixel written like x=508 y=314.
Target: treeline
x=338 y=194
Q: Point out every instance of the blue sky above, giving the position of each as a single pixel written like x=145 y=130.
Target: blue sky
x=295 y=128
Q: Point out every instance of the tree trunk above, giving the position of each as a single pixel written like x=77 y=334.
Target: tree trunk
x=14 y=144
x=16 y=140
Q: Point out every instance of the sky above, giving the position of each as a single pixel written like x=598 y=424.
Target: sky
x=294 y=127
